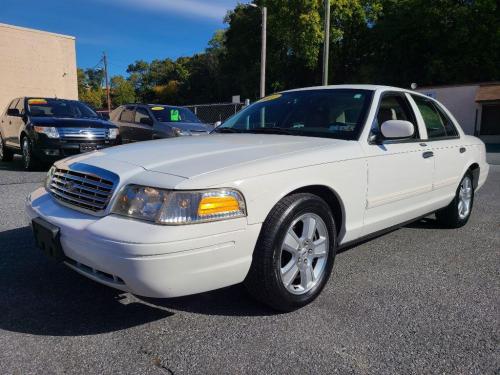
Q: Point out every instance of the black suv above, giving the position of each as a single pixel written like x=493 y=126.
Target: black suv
x=44 y=129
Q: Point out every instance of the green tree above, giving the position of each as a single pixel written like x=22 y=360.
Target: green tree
x=122 y=91
x=438 y=42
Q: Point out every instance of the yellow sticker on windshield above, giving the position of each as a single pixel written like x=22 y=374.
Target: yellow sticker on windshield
x=37 y=101
x=270 y=97
x=157 y=108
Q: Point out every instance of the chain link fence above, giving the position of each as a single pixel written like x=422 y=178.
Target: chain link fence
x=211 y=113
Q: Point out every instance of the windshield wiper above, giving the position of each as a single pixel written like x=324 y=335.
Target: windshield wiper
x=270 y=131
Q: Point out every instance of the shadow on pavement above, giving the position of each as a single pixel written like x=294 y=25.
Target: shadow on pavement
x=16 y=165
x=41 y=297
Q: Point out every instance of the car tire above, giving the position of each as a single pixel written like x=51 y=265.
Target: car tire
x=458 y=212
x=291 y=267
x=5 y=153
x=29 y=161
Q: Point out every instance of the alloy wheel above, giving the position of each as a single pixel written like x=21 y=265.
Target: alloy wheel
x=304 y=253
x=26 y=153
x=465 y=198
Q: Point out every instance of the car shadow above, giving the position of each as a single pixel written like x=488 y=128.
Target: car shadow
x=41 y=297
x=16 y=165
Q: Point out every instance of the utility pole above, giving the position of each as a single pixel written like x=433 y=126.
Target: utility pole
x=326 y=46
x=263 y=54
x=263 y=50
x=108 y=96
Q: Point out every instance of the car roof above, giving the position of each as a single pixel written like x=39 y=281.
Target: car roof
x=354 y=86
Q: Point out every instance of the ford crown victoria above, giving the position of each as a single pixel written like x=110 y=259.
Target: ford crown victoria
x=267 y=199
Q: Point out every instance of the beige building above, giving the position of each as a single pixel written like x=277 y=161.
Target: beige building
x=475 y=106
x=36 y=63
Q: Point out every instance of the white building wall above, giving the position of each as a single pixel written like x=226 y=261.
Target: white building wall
x=460 y=101
x=36 y=63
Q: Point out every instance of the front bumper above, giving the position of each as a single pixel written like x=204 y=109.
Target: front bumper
x=48 y=148
x=147 y=259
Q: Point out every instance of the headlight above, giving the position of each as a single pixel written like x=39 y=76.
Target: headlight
x=113 y=133
x=170 y=207
x=179 y=132
x=49 y=131
x=48 y=177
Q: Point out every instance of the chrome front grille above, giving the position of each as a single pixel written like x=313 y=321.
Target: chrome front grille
x=83 y=190
x=83 y=133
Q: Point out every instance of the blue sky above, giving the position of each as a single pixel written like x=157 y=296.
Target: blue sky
x=127 y=30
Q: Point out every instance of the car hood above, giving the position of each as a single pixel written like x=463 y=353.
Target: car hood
x=62 y=122
x=225 y=156
x=191 y=126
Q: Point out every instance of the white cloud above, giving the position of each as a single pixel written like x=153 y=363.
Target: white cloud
x=213 y=9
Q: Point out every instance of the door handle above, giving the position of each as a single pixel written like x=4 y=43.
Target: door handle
x=462 y=150
x=423 y=144
x=427 y=154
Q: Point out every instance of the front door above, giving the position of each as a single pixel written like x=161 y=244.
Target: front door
x=399 y=172
x=143 y=128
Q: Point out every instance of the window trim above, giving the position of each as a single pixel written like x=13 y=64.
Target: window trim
x=414 y=122
x=440 y=111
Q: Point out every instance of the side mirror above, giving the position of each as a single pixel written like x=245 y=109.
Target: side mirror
x=397 y=129
x=218 y=123
x=146 y=121
x=13 y=112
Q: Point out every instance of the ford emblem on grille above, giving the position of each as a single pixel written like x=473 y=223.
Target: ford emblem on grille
x=70 y=186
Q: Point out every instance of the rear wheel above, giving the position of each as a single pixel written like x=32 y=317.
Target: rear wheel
x=5 y=153
x=294 y=255
x=458 y=212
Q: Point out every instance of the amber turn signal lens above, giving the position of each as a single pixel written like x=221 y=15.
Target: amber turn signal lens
x=217 y=205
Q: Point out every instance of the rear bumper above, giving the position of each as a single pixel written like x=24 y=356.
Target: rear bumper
x=483 y=172
x=196 y=259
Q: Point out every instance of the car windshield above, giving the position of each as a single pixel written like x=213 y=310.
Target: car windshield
x=329 y=113
x=164 y=113
x=60 y=108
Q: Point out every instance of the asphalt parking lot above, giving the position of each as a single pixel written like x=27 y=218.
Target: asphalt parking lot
x=417 y=300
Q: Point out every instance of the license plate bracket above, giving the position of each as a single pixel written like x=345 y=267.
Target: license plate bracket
x=87 y=147
x=47 y=238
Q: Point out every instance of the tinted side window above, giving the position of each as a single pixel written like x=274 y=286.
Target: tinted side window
x=141 y=113
x=435 y=122
x=127 y=115
x=394 y=107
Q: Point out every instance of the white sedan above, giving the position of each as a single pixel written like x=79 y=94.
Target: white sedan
x=267 y=199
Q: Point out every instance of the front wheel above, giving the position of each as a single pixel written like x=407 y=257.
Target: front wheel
x=29 y=161
x=458 y=212
x=294 y=255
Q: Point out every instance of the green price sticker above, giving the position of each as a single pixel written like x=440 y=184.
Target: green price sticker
x=175 y=115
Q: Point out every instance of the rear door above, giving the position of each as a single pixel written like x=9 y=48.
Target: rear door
x=445 y=143
x=399 y=171
x=9 y=125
